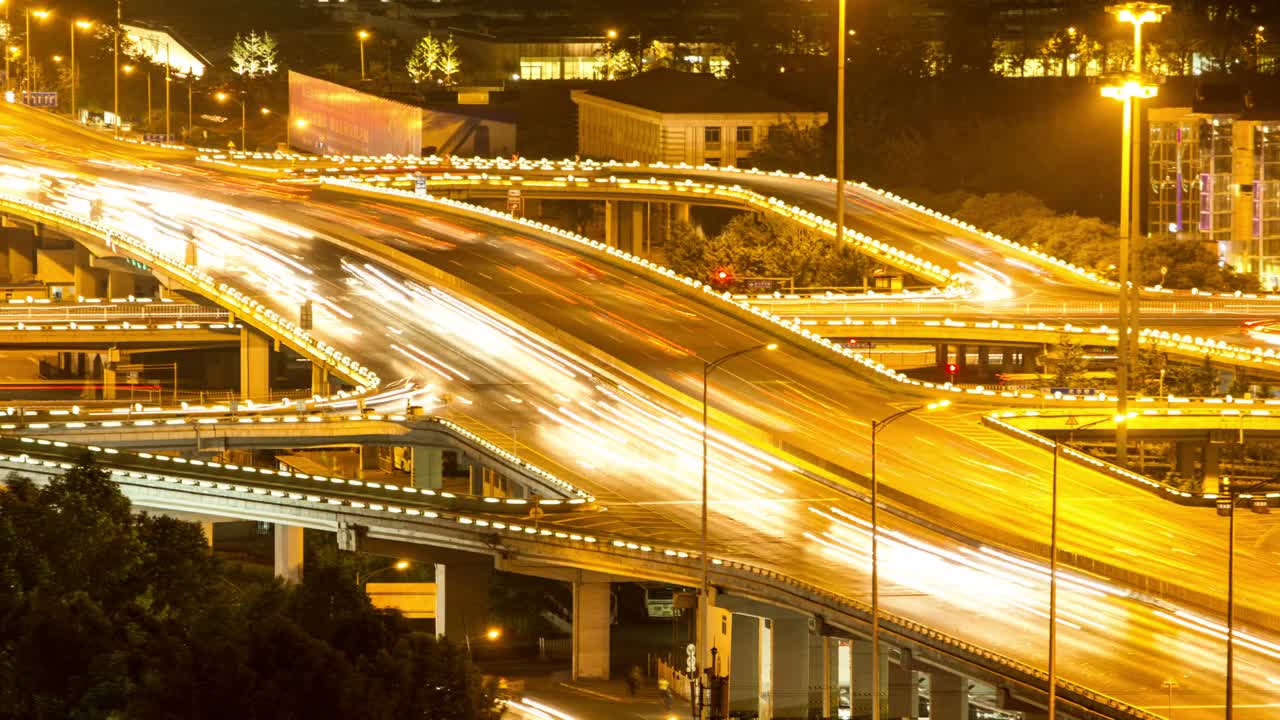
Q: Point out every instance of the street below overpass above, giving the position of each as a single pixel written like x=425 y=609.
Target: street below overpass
x=595 y=380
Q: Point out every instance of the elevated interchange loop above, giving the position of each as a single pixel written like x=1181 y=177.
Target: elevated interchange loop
x=1183 y=647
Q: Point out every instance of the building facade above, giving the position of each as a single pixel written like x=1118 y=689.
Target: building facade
x=1215 y=177
x=674 y=117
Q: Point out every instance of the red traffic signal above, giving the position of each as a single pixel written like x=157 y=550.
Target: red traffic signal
x=722 y=276
x=952 y=368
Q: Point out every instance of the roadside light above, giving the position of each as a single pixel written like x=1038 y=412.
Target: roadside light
x=41 y=14
x=493 y=633
x=57 y=58
x=363 y=34
x=219 y=96
x=402 y=565
x=127 y=69
x=300 y=123
x=84 y=24
x=771 y=346
x=611 y=34
x=265 y=111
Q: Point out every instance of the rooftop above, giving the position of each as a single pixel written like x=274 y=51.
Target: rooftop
x=674 y=92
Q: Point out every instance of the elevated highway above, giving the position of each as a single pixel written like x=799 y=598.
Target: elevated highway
x=786 y=483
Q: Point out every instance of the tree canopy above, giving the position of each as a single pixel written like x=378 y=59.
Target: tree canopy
x=104 y=613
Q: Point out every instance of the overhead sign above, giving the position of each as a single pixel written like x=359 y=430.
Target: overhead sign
x=40 y=99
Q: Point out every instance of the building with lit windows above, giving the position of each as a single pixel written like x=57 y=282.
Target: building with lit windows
x=678 y=117
x=1215 y=176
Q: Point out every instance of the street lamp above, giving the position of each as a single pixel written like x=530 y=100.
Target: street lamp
x=300 y=123
x=1119 y=420
x=1130 y=89
x=8 y=50
x=76 y=25
x=841 y=61
x=876 y=427
x=707 y=369
x=363 y=35
x=611 y=34
x=1226 y=504
x=39 y=15
x=399 y=566
x=223 y=97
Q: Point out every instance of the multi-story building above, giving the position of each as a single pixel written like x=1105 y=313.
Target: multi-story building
x=1215 y=176
x=679 y=117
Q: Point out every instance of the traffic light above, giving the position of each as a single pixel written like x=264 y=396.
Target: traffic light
x=952 y=369
x=722 y=277
x=1224 y=485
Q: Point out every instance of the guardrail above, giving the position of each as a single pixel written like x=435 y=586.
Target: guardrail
x=100 y=312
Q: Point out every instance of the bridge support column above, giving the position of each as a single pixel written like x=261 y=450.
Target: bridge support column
x=88 y=279
x=1029 y=360
x=1184 y=457
x=680 y=212
x=206 y=527
x=1006 y=359
x=984 y=359
x=462 y=599
x=751 y=666
x=940 y=355
x=791 y=679
x=121 y=284
x=110 y=372
x=21 y=246
x=319 y=380
x=1209 y=463
x=904 y=689
x=827 y=665
x=611 y=223
x=962 y=355
x=862 y=694
x=255 y=365
x=591 y=615
x=428 y=464
x=288 y=553
x=948 y=696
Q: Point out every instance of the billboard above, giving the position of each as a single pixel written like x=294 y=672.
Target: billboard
x=328 y=118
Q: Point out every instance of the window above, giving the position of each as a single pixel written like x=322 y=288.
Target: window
x=745 y=135
x=712 y=136
x=712 y=161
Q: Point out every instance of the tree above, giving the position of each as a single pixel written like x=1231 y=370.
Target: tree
x=617 y=62
x=104 y=613
x=792 y=148
x=1189 y=263
x=253 y=55
x=1070 y=364
x=448 y=65
x=424 y=61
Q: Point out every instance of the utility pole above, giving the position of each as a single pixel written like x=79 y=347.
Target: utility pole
x=167 y=80
x=115 y=69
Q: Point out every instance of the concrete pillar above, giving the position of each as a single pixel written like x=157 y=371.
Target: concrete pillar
x=121 y=284
x=206 y=527
x=428 y=463
x=791 y=668
x=1006 y=359
x=680 y=213
x=861 y=697
x=825 y=656
x=592 y=610
x=611 y=223
x=904 y=690
x=940 y=355
x=110 y=372
x=319 y=380
x=744 y=667
x=638 y=221
x=22 y=252
x=1185 y=453
x=962 y=355
x=255 y=364
x=984 y=359
x=948 y=696
x=1209 y=463
x=1029 y=360
x=462 y=599
x=89 y=281
x=288 y=553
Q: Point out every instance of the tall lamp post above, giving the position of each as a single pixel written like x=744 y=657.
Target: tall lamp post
x=876 y=427
x=841 y=61
x=75 y=74
x=1226 y=504
x=707 y=369
x=223 y=97
x=39 y=15
x=8 y=49
x=399 y=566
x=1130 y=89
x=362 y=35
x=1053 y=565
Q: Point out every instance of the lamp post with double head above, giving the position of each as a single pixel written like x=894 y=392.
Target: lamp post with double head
x=876 y=427
x=1131 y=89
x=709 y=367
